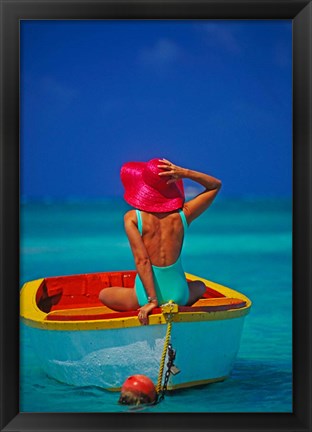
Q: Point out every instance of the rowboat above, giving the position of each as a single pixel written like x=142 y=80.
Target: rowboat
x=81 y=342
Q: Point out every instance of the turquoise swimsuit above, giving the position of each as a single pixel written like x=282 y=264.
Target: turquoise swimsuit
x=170 y=282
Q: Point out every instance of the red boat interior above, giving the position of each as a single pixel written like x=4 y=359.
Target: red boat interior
x=76 y=297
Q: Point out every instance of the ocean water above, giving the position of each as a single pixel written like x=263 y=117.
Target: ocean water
x=245 y=244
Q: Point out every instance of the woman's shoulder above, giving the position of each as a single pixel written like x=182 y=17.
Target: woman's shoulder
x=130 y=215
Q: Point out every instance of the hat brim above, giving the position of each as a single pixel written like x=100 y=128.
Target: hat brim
x=144 y=197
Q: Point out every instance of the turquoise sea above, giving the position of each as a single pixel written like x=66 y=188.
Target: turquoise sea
x=245 y=244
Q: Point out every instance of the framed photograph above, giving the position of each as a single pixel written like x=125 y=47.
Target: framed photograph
x=223 y=89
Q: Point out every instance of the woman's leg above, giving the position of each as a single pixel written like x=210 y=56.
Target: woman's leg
x=119 y=299
x=197 y=289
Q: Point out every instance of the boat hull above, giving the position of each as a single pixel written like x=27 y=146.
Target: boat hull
x=205 y=352
x=87 y=346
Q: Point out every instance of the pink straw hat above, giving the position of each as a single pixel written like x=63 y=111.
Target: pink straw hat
x=147 y=191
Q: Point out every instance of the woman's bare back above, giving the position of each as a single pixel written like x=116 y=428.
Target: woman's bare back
x=162 y=236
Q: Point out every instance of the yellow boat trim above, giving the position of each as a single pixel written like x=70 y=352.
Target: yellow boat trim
x=196 y=383
x=183 y=385
x=32 y=316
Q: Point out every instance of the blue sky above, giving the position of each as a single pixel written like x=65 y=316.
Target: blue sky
x=209 y=95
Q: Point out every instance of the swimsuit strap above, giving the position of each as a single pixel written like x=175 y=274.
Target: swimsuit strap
x=184 y=221
x=140 y=225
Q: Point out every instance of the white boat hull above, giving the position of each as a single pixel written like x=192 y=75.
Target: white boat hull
x=205 y=352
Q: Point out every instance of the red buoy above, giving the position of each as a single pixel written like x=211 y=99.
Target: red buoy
x=137 y=390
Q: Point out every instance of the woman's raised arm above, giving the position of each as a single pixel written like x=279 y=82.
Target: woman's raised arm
x=196 y=206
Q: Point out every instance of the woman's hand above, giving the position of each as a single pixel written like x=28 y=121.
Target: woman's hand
x=197 y=205
x=171 y=170
x=145 y=310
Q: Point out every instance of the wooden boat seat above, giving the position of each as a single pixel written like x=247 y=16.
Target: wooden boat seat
x=103 y=312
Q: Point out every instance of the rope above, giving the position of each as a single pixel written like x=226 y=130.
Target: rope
x=163 y=357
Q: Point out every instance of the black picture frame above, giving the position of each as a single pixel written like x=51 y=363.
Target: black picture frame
x=300 y=12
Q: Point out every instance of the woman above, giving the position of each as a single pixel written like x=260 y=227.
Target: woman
x=155 y=230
